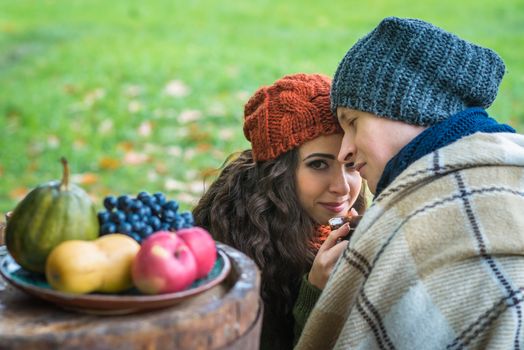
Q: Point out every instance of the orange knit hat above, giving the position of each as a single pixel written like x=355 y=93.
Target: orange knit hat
x=287 y=114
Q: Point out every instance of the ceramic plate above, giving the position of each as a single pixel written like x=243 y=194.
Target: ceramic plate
x=109 y=304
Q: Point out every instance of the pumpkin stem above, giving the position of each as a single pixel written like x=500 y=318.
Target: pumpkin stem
x=64 y=185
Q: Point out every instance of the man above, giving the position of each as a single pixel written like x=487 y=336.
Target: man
x=437 y=261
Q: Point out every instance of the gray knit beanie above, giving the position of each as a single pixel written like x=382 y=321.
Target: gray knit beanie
x=415 y=72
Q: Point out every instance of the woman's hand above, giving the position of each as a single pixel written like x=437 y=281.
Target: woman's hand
x=327 y=256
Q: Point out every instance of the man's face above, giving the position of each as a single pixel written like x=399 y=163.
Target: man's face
x=371 y=141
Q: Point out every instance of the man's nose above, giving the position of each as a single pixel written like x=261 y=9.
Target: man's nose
x=346 y=152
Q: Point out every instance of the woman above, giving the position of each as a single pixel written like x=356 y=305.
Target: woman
x=273 y=202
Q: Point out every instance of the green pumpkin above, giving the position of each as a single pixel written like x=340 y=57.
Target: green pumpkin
x=51 y=213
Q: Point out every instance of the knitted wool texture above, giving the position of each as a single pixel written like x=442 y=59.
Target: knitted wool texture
x=415 y=72
x=321 y=234
x=293 y=110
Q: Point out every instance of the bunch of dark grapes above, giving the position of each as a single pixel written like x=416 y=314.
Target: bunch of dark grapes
x=141 y=216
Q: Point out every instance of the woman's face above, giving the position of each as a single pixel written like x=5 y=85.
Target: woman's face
x=325 y=186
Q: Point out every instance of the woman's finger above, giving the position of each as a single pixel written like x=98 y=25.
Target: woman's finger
x=336 y=251
x=323 y=264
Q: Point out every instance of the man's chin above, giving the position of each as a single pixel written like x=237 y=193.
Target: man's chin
x=372 y=185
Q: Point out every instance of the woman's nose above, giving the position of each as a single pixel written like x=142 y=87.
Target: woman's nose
x=339 y=183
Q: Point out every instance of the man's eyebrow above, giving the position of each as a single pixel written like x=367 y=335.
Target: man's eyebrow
x=323 y=155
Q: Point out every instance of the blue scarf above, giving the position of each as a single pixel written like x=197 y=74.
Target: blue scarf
x=459 y=125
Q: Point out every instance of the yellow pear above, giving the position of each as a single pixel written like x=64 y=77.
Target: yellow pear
x=102 y=265
x=120 y=251
x=76 y=267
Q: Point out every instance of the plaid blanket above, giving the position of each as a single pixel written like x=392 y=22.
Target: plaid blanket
x=437 y=261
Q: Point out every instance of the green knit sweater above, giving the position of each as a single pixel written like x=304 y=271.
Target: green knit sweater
x=306 y=299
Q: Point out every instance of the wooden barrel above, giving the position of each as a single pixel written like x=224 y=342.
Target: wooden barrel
x=228 y=316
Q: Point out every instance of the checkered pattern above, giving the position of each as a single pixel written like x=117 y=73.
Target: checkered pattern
x=437 y=261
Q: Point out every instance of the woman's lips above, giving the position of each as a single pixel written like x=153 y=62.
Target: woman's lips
x=334 y=207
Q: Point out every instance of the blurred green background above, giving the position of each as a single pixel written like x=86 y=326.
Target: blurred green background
x=149 y=95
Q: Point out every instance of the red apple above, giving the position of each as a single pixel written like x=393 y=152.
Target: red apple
x=203 y=247
x=164 y=264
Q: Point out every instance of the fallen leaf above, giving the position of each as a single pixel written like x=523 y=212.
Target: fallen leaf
x=134 y=106
x=70 y=89
x=152 y=175
x=216 y=109
x=176 y=88
x=35 y=148
x=173 y=184
x=135 y=158
x=188 y=199
x=189 y=115
x=95 y=95
x=197 y=134
x=196 y=187
x=125 y=146
x=79 y=144
x=174 y=151
x=145 y=129
x=189 y=154
x=152 y=148
x=18 y=193
x=132 y=90
x=242 y=96
x=191 y=174
x=181 y=132
x=53 y=141
x=161 y=168
x=203 y=147
x=218 y=154
x=85 y=178
x=108 y=163
x=226 y=134
x=105 y=126
x=32 y=166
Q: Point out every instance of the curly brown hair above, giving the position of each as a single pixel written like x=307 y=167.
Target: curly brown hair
x=253 y=207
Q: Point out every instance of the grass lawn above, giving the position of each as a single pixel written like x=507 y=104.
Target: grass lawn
x=149 y=95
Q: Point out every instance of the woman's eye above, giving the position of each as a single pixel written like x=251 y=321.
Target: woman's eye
x=317 y=164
